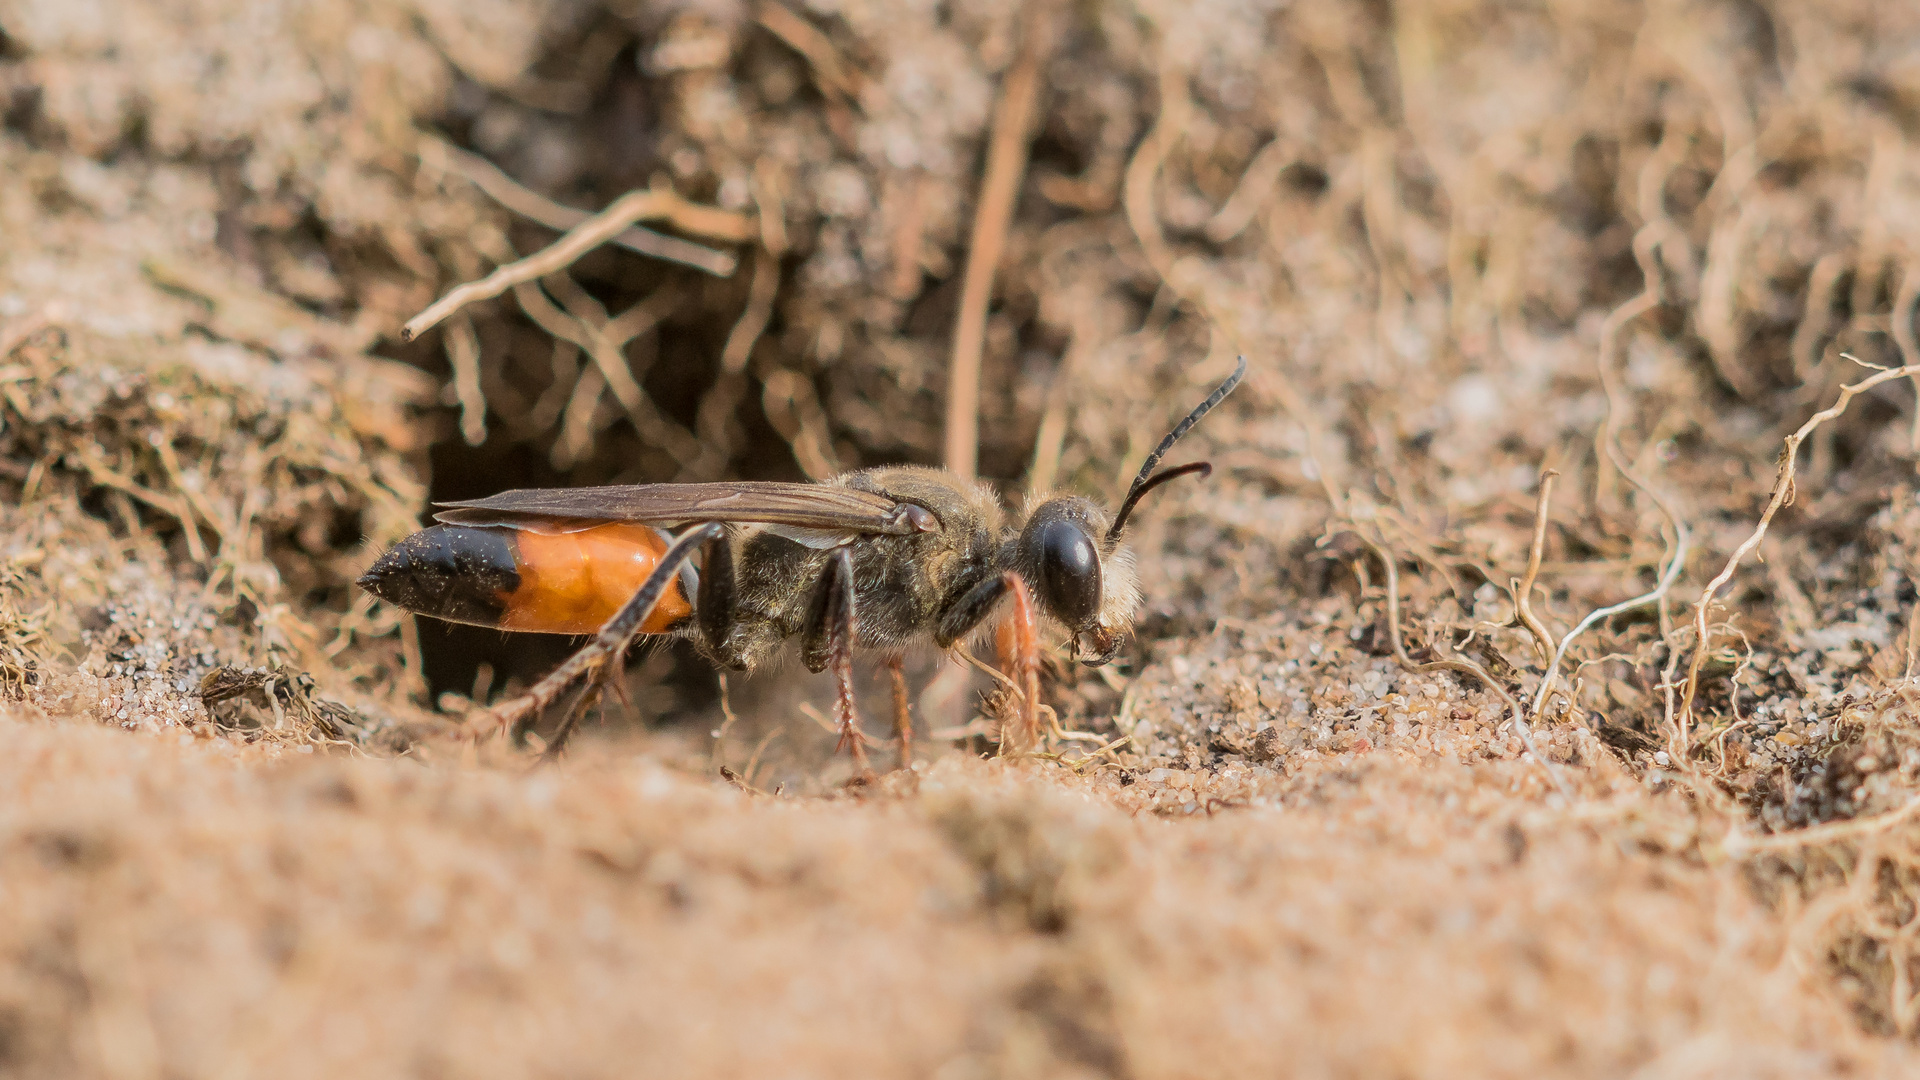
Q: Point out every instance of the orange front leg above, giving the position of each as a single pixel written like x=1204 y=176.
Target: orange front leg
x=902 y=717
x=1017 y=639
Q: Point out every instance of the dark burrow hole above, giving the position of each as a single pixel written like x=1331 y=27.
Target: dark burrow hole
x=585 y=160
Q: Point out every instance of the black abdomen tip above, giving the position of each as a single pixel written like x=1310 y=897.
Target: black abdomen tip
x=450 y=572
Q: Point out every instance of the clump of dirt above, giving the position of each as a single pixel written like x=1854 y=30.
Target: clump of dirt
x=1504 y=681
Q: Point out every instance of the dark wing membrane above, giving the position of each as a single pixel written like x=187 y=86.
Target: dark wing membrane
x=813 y=506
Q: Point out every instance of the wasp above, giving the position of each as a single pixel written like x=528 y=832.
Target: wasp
x=877 y=559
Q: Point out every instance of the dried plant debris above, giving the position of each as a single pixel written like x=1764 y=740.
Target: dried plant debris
x=184 y=506
x=286 y=706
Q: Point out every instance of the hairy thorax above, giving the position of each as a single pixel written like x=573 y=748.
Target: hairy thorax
x=900 y=583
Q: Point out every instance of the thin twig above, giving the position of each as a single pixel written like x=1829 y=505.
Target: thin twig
x=753 y=759
x=1137 y=183
x=1000 y=187
x=995 y=673
x=1659 y=592
x=1081 y=762
x=1027 y=697
x=835 y=78
x=577 y=424
x=463 y=352
x=715 y=419
x=190 y=493
x=611 y=362
x=793 y=408
x=746 y=332
x=596 y=230
x=103 y=474
x=736 y=780
x=827 y=724
x=550 y=406
x=1523 y=589
x=1783 y=493
x=909 y=236
x=729 y=718
x=1823 y=287
x=541 y=210
x=1256 y=186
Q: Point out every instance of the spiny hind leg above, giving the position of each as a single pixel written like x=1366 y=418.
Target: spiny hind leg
x=826 y=643
x=600 y=661
x=610 y=679
x=589 y=697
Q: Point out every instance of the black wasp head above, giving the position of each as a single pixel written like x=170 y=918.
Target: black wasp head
x=1071 y=550
x=1082 y=578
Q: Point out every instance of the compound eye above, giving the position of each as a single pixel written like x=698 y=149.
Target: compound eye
x=1069 y=574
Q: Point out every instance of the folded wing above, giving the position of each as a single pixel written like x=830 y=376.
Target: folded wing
x=806 y=506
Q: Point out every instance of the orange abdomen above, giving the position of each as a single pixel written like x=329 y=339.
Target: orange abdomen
x=546 y=577
x=573 y=582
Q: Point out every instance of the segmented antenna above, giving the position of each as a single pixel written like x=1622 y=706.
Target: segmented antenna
x=1140 y=490
x=1146 y=481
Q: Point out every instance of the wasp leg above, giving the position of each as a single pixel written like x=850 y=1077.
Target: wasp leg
x=969 y=611
x=902 y=719
x=599 y=660
x=715 y=610
x=587 y=700
x=1018 y=642
x=1016 y=637
x=827 y=643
